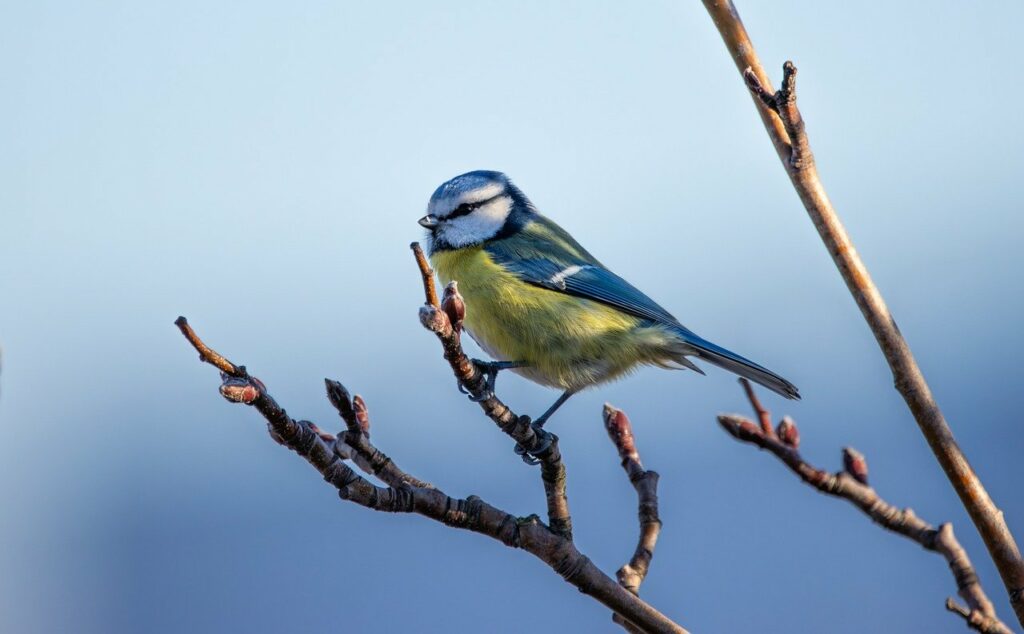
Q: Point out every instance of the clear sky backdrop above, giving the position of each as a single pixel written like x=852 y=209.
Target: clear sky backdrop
x=259 y=167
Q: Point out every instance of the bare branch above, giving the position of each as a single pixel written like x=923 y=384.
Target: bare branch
x=342 y=401
x=354 y=443
x=429 y=290
x=407 y=494
x=453 y=305
x=633 y=573
x=977 y=620
x=785 y=127
x=763 y=414
x=517 y=427
x=851 y=484
x=206 y=355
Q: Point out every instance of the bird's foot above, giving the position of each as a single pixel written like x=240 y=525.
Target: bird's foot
x=544 y=440
x=490 y=371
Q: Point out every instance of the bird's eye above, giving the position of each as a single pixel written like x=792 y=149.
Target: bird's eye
x=463 y=209
x=468 y=208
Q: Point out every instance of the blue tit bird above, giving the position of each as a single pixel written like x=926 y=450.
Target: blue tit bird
x=544 y=307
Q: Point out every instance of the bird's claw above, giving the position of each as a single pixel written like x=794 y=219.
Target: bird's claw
x=544 y=443
x=483 y=396
x=476 y=399
x=490 y=371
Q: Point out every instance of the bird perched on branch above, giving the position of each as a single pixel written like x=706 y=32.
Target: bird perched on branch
x=542 y=306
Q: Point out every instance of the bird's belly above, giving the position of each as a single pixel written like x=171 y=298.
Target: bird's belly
x=567 y=342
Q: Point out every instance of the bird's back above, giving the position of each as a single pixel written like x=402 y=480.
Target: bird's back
x=535 y=296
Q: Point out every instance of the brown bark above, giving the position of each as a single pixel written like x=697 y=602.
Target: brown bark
x=472 y=380
x=785 y=126
x=851 y=484
x=633 y=572
x=405 y=493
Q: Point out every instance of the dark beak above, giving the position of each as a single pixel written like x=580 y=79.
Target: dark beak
x=428 y=222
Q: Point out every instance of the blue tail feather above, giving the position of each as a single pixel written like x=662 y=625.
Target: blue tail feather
x=741 y=366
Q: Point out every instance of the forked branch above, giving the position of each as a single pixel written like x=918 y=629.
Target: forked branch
x=851 y=484
x=405 y=493
x=785 y=126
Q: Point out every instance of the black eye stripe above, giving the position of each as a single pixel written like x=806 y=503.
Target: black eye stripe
x=462 y=210
x=468 y=208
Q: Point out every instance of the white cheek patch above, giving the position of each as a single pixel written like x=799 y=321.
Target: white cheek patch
x=483 y=223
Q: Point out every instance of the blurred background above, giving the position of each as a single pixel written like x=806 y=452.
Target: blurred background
x=259 y=167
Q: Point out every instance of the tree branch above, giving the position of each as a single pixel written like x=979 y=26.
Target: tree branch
x=407 y=494
x=633 y=573
x=851 y=484
x=552 y=469
x=785 y=127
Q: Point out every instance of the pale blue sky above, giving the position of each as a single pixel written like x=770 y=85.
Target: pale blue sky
x=259 y=167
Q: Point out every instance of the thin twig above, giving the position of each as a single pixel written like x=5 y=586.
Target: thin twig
x=429 y=289
x=785 y=127
x=342 y=401
x=354 y=442
x=763 y=415
x=207 y=355
x=405 y=495
x=976 y=619
x=633 y=573
x=517 y=427
x=851 y=484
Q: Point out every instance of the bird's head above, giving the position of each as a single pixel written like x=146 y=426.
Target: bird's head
x=473 y=208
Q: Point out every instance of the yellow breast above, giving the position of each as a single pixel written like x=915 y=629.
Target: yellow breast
x=568 y=342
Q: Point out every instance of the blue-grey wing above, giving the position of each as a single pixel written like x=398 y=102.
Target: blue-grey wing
x=564 y=266
x=543 y=254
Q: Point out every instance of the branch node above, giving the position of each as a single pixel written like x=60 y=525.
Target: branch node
x=341 y=399
x=788 y=433
x=239 y=390
x=855 y=464
x=756 y=87
x=620 y=431
x=453 y=305
x=434 y=319
x=787 y=94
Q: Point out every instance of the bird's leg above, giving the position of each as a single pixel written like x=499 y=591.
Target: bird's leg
x=490 y=371
x=554 y=408
x=545 y=438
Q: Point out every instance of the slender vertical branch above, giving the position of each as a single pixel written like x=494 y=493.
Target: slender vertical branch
x=786 y=129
